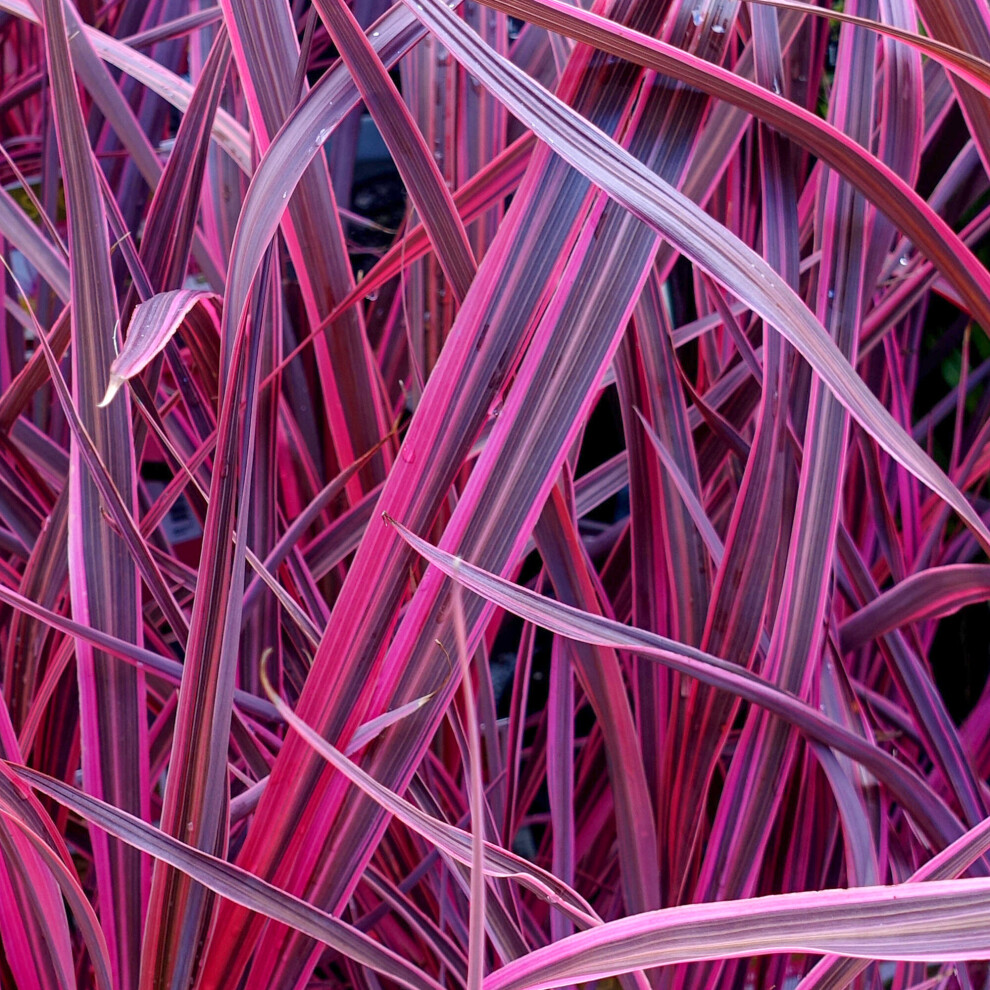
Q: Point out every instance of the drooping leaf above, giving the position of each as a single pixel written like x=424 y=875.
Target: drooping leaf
x=152 y=326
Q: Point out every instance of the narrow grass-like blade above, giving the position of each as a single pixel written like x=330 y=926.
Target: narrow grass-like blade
x=728 y=260
x=872 y=177
x=582 y=626
x=102 y=575
x=943 y=920
x=419 y=171
x=922 y=596
x=231 y=882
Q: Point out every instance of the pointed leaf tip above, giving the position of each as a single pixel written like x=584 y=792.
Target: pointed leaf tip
x=112 y=389
x=152 y=326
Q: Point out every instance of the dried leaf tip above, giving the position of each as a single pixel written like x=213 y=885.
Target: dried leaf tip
x=112 y=389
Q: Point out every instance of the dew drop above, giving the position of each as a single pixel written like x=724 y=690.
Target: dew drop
x=374 y=34
x=285 y=194
x=408 y=454
x=372 y=296
x=718 y=29
x=697 y=16
x=831 y=293
x=322 y=136
x=776 y=86
x=902 y=261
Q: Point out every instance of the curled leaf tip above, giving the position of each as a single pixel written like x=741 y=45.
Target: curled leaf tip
x=112 y=388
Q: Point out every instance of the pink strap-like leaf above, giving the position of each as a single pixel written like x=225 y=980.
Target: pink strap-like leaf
x=152 y=326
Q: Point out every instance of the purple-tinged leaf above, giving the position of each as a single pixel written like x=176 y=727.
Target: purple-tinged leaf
x=230 y=881
x=601 y=676
x=835 y=971
x=584 y=627
x=455 y=842
x=431 y=89
x=476 y=804
x=767 y=749
x=43 y=580
x=100 y=478
x=102 y=575
x=293 y=533
x=230 y=135
x=480 y=353
x=371 y=730
x=33 y=926
x=26 y=237
x=152 y=326
x=662 y=534
x=292 y=150
x=560 y=774
x=875 y=180
x=687 y=494
x=931 y=717
x=415 y=163
x=957 y=59
x=260 y=629
x=170 y=228
x=964 y=24
x=37 y=852
x=855 y=799
x=174 y=28
x=944 y=920
x=136 y=655
x=491 y=185
x=266 y=51
x=728 y=260
x=925 y=595
x=179 y=911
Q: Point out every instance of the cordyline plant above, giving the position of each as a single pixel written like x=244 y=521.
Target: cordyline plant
x=342 y=645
